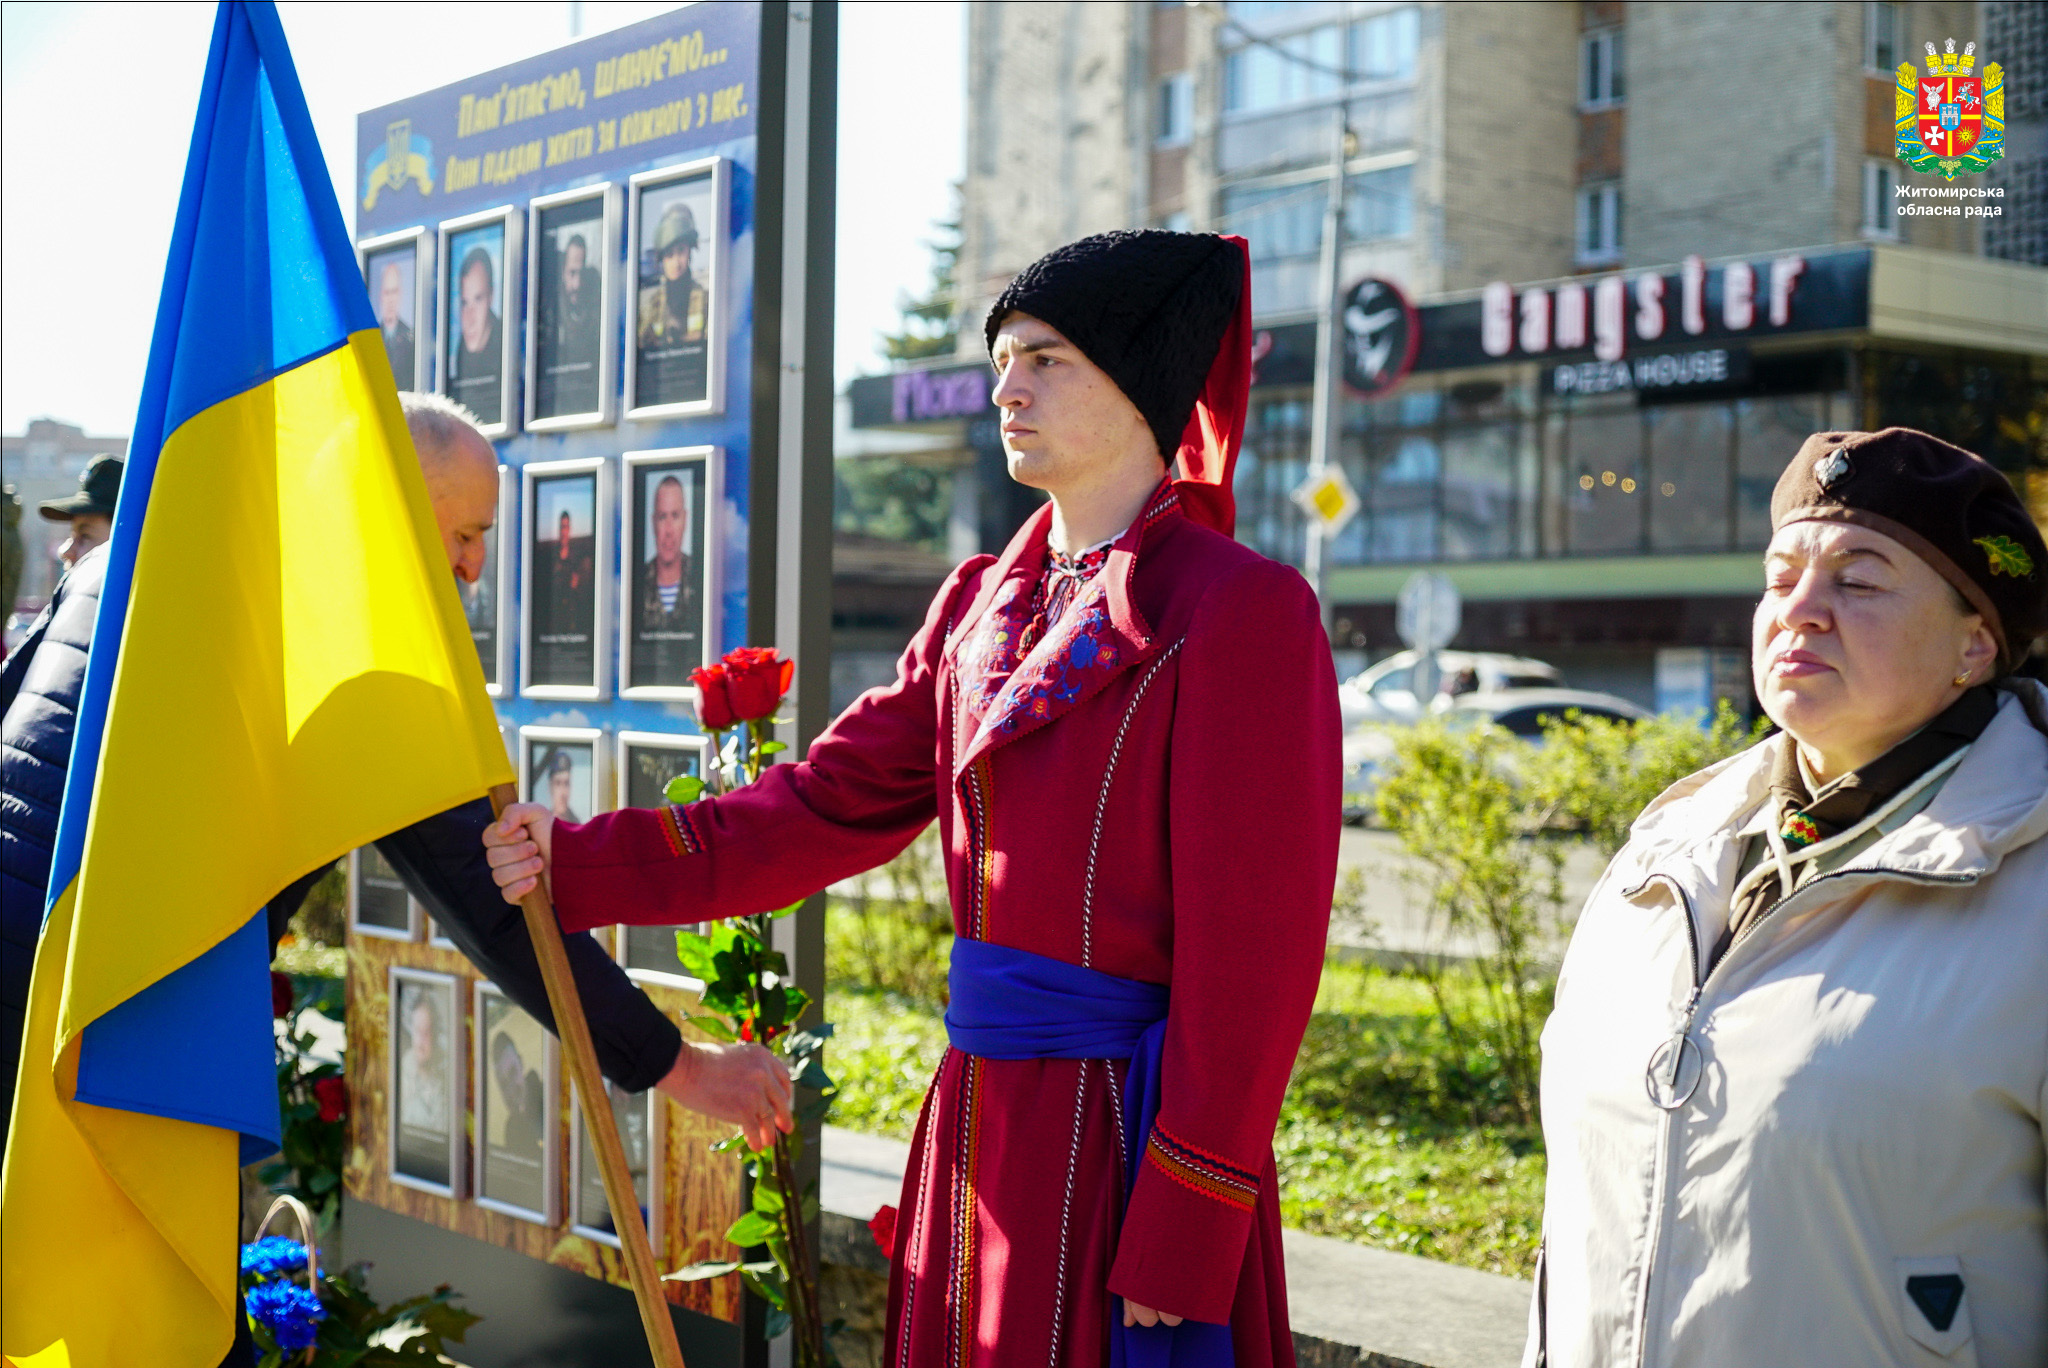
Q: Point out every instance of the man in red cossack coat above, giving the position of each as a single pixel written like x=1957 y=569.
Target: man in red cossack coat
x=1127 y=728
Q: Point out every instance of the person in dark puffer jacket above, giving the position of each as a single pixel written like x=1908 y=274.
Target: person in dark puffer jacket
x=39 y=699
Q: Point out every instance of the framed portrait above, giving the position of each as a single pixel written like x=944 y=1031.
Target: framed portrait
x=647 y=761
x=563 y=768
x=378 y=902
x=398 y=271
x=668 y=612
x=675 y=324
x=639 y=1120
x=572 y=273
x=426 y=1101
x=568 y=555
x=516 y=1110
x=479 y=296
x=483 y=603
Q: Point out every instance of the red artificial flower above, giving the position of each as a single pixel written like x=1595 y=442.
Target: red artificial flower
x=883 y=1226
x=756 y=679
x=280 y=994
x=746 y=1030
x=714 y=704
x=332 y=1095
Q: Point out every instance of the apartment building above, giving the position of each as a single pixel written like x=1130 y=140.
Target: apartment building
x=1650 y=248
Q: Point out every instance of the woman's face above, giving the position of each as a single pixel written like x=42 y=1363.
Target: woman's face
x=1858 y=642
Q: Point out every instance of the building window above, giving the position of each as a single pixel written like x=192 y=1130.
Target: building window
x=1880 y=207
x=1269 y=73
x=1880 y=36
x=1383 y=47
x=1176 y=122
x=1287 y=220
x=1598 y=235
x=1600 y=84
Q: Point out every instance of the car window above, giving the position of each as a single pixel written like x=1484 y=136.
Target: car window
x=1528 y=681
x=1529 y=721
x=1394 y=681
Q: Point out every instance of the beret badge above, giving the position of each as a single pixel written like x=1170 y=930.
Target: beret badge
x=2007 y=557
x=1832 y=469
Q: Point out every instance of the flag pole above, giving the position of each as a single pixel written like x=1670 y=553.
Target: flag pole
x=599 y=1124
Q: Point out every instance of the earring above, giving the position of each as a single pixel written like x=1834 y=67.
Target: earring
x=1962 y=679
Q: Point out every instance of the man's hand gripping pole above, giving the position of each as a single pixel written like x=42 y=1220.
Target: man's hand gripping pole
x=598 y=1122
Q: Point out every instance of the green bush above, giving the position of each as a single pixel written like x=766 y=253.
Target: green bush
x=893 y=931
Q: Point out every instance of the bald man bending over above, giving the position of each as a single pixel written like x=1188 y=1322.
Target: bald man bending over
x=442 y=859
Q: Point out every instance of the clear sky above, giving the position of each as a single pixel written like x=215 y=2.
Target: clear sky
x=96 y=107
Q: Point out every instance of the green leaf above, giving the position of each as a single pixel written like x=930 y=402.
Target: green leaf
x=781 y=912
x=767 y=1291
x=814 y=1076
x=778 y=1323
x=751 y=1229
x=773 y=747
x=684 y=788
x=768 y=1199
x=716 y=1027
x=694 y=953
x=814 y=1110
x=2007 y=557
x=729 y=1144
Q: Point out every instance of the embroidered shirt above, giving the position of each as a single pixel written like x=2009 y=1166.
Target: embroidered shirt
x=1059 y=583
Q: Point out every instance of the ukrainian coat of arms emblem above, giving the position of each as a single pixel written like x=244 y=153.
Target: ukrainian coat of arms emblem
x=1950 y=122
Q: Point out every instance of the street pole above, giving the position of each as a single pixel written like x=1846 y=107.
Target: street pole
x=1327 y=422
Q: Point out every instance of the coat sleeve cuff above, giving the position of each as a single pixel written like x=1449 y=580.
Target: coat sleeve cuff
x=1184 y=1232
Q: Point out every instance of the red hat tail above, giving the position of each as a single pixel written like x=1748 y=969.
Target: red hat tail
x=1215 y=431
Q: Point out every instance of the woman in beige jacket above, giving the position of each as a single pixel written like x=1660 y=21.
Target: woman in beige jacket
x=1795 y=1083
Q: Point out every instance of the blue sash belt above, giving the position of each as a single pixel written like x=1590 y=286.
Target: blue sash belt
x=1012 y=1004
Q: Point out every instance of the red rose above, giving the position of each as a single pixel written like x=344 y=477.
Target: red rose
x=883 y=1227
x=714 y=704
x=332 y=1095
x=756 y=680
x=280 y=994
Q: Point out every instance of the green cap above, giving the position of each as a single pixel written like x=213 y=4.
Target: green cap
x=98 y=488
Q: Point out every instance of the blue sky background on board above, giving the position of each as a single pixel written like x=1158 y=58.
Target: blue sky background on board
x=96 y=105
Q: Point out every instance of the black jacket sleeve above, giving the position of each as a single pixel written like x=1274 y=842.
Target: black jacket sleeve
x=442 y=861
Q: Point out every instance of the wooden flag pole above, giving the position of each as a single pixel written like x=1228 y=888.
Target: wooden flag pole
x=599 y=1123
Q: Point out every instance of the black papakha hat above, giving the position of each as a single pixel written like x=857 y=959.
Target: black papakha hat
x=1954 y=510
x=1147 y=306
x=98 y=488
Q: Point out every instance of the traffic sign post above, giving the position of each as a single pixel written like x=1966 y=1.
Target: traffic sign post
x=1427 y=615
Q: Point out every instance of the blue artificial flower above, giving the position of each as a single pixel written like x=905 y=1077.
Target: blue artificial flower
x=273 y=1256
x=290 y=1312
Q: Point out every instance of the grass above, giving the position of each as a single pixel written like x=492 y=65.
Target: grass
x=1391 y=1134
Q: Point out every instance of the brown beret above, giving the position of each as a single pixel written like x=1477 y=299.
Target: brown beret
x=1956 y=511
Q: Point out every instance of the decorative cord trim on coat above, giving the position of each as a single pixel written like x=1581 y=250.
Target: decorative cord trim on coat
x=1200 y=1171
x=680 y=831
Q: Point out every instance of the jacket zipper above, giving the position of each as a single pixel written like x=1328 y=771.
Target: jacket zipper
x=1666 y=1127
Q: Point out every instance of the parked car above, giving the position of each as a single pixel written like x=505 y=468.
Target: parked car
x=1369 y=748
x=1385 y=692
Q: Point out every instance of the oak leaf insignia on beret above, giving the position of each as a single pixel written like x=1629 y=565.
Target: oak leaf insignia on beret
x=2007 y=557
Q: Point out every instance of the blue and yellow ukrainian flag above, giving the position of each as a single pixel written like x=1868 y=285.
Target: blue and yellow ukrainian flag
x=279 y=672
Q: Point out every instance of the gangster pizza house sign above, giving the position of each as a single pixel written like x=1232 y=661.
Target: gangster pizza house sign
x=1662 y=328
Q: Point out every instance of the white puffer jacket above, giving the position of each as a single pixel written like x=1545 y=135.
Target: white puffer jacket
x=1856 y=1178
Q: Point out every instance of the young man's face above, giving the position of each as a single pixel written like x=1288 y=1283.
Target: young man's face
x=1064 y=419
x=675 y=262
x=670 y=522
x=572 y=269
x=562 y=537
x=559 y=784
x=476 y=309
x=87 y=531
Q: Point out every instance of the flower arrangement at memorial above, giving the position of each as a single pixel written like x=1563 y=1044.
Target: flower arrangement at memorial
x=749 y=996
x=312 y=1098
x=331 y=1321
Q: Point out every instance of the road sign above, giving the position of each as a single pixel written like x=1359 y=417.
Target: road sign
x=1428 y=612
x=1381 y=333
x=1327 y=497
